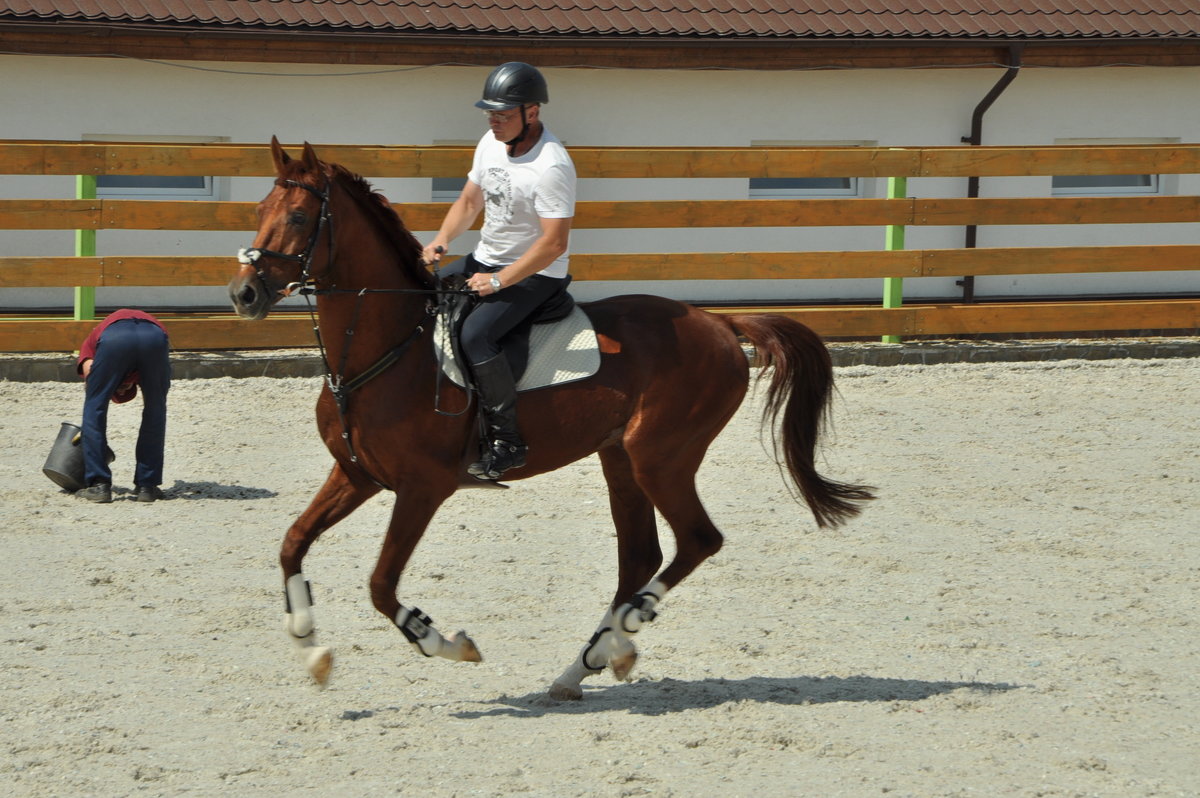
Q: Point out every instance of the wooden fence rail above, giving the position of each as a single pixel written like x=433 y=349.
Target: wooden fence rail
x=205 y=331
x=199 y=215
x=174 y=270
x=248 y=160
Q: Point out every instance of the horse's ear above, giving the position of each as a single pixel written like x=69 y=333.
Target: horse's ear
x=280 y=157
x=312 y=164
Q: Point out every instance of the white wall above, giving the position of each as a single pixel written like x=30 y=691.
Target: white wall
x=69 y=98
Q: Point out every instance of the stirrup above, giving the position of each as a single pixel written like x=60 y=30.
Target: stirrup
x=500 y=457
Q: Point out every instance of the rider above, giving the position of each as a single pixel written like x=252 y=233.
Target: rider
x=523 y=181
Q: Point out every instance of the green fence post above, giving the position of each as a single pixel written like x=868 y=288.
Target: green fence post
x=85 y=247
x=893 y=287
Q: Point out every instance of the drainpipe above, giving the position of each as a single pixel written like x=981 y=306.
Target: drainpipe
x=975 y=139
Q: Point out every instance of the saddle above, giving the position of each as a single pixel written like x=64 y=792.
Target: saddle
x=555 y=344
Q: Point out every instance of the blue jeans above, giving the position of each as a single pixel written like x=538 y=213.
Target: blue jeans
x=125 y=346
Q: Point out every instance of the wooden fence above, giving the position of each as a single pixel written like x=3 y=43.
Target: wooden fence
x=893 y=318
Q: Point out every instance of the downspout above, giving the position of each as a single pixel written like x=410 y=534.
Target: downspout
x=975 y=139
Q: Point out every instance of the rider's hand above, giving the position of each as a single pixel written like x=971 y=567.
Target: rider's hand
x=432 y=254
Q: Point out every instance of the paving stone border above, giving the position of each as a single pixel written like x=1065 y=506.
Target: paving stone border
x=58 y=367
x=1025 y=351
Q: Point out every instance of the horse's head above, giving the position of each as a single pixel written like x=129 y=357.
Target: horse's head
x=294 y=239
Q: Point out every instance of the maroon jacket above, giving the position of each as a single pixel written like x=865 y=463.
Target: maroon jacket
x=87 y=350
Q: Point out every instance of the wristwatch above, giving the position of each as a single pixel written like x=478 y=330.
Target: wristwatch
x=496 y=283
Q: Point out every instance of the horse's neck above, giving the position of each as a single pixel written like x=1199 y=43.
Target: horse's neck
x=370 y=311
x=357 y=330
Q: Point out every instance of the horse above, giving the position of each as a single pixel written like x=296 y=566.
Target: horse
x=670 y=378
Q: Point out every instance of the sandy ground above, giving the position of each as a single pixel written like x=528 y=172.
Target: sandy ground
x=1015 y=616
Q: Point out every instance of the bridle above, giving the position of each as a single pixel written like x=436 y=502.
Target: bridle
x=340 y=387
x=251 y=255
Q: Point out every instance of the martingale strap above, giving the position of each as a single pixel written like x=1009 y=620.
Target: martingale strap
x=306 y=287
x=342 y=390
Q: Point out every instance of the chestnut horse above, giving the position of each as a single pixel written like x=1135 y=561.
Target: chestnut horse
x=670 y=378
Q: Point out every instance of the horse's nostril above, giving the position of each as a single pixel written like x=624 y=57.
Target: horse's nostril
x=246 y=297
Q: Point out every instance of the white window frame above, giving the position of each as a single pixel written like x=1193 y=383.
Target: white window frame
x=1156 y=185
x=856 y=187
x=213 y=188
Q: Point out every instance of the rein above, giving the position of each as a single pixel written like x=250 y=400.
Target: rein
x=338 y=386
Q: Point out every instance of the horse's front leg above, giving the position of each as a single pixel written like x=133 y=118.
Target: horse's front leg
x=336 y=499
x=414 y=509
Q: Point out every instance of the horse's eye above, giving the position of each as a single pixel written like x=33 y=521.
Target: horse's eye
x=297 y=218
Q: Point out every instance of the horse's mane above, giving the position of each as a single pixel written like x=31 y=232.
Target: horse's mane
x=408 y=249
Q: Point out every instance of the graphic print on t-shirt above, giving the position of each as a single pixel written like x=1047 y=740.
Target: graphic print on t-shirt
x=497 y=191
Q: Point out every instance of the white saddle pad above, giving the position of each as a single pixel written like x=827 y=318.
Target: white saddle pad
x=560 y=351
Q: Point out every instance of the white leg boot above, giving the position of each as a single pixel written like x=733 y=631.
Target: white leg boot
x=318 y=660
x=612 y=643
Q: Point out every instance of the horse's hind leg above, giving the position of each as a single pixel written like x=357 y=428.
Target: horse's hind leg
x=336 y=499
x=638 y=556
x=664 y=475
x=696 y=539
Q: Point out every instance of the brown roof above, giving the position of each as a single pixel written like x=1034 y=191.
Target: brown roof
x=766 y=19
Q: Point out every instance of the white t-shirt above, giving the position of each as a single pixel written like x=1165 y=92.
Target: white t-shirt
x=517 y=192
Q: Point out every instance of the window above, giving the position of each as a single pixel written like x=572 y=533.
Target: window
x=1075 y=185
x=793 y=187
x=159 y=187
x=806 y=187
x=1100 y=185
x=447 y=189
x=152 y=187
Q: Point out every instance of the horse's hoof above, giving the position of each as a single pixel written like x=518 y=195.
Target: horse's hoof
x=319 y=661
x=623 y=663
x=467 y=650
x=562 y=692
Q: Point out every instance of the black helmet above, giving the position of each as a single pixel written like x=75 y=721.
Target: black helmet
x=513 y=84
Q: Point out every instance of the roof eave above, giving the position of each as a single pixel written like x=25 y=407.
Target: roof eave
x=179 y=42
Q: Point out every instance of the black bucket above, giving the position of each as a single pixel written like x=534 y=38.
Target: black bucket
x=64 y=465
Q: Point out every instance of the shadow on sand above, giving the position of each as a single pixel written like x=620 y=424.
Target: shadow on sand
x=213 y=490
x=670 y=695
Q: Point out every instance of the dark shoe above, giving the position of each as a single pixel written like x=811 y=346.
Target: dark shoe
x=499 y=458
x=101 y=493
x=148 y=493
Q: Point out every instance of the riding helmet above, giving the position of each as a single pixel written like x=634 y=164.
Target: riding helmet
x=512 y=84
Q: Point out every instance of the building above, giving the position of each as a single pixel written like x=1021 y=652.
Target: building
x=621 y=72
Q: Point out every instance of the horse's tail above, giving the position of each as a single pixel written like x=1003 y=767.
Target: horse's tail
x=801 y=387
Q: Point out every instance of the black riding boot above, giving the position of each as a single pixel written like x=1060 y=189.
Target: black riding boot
x=498 y=400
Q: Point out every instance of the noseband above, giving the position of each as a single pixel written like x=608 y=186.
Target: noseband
x=250 y=256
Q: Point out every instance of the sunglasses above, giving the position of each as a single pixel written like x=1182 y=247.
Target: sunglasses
x=501 y=116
